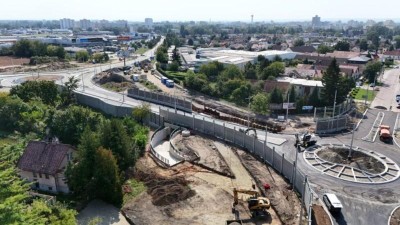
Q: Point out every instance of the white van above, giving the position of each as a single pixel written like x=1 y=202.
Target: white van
x=332 y=202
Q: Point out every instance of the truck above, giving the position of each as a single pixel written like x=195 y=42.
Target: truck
x=163 y=79
x=384 y=133
x=169 y=83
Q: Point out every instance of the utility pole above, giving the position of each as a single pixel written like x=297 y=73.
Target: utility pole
x=83 y=84
x=351 y=143
x=248 y=114
x=287 y=108
x=366 y=97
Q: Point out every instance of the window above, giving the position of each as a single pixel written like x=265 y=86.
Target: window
x=34 y=174
x=50 y=188
x=47 y=176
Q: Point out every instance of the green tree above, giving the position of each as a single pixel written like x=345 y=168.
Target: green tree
x=363 y=45
x=174 y=66
x=140 y=113
x=161 y=56
x=298 y=43
x=323 y=49
x=231 y=72
x=106 y=176
x=114 y=137
x=82 y=56
x=68 y=92
x=371 y=70
x=397 y=39
x=69 y=124
x=333 y=82
x=276 y=96
x=241 y=94
x=212 y=70
x=259 y=103
x=45 y=90
x=314 y=99
x=342 y=46
x=250 y=71
x=275 y=69
x=292 y=95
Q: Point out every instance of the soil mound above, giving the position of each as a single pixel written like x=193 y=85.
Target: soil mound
x=165 y=191
x=359 y=159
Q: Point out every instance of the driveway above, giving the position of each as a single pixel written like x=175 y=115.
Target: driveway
x=106 y=212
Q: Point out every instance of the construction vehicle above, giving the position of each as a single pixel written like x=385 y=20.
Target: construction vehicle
x=305 y=140
x=257 y=204
x=384 y=133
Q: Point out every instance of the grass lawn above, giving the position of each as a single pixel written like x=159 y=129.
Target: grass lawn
x=141 y=50
x=363 y=92
x=137 y=188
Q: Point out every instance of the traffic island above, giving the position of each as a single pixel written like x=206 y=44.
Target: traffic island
x=362 y=167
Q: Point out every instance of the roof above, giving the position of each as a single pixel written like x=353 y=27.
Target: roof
x=360 y=59
x=303 y=49
x=392 y=53
x=43 y=157
x=343 y=54
x=271 y=84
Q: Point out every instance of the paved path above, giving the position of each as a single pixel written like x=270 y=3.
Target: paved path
x=386 y=96
x=108 y=214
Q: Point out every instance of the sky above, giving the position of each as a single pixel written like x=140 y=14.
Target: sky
x=200 y=10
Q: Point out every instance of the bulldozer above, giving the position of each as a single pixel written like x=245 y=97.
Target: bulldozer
x=305 y=140
x=257 y=204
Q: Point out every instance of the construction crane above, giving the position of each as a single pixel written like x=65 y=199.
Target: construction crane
x=257 y=204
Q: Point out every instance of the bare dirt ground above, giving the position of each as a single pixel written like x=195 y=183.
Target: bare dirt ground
x=12 y=61
x=53 y=66
x=320 y=216
x=113 y=80
x=359 y=160
x=284 y=201
x=395 y=219
x=195 y=145
x=211 y=203
x=40 y=78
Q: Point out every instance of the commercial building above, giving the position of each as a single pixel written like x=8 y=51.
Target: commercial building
x=316 y=21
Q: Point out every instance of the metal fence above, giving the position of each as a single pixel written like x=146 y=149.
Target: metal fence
x=326 y=112
x=161 y=99
x=336 y=124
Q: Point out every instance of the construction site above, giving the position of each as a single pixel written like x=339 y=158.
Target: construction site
x=210 y=182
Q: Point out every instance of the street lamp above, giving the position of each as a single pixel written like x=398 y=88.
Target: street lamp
x=287 y=107
x=351 y=143
x=248 y=114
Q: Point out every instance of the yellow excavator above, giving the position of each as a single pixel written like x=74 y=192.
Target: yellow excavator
x=257 y=204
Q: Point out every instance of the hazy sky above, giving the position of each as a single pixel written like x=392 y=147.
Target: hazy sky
x=185 y=10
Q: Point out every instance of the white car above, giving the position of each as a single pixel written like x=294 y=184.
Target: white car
x=332 y=202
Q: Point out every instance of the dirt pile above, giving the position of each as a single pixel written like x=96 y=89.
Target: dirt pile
x=359 y=159
x=395 y=219
x=165 y=191
x=105 y=77
x=319 y=215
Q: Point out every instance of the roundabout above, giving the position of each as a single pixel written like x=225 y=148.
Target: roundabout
x=366 y=167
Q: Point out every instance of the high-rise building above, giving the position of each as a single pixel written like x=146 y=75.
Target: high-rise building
x=85 y=24
x=148 y=22
x=316 y=21
x=121 y=23
x=67 y=23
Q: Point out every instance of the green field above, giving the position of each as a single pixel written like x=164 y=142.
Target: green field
x=363 y=92
x=141 y=50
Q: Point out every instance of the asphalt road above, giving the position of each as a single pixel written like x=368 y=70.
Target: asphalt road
x=386 y=96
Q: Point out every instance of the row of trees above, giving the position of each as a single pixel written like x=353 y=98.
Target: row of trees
x=27 y=48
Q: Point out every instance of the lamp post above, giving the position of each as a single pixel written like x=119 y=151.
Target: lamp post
x=351 y=143
x=248 y=114
x=287 y=107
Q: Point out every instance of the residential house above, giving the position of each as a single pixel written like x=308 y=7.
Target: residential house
x=302 y=87
x=391 y=55
x=44 y=164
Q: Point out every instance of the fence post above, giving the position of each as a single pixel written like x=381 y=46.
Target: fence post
x=273 y=156
x=324 y=111
x=315 y=112
x=224 y=132
x=283 y=158
x=203 y=126
x=254 y=144
x=168 y=115
x=302 y=203
x=294 y=174
x=309 y=209
x=244 y=138
x=264 y=154
x=193 y=123
x=234 y=131
x=214 y=127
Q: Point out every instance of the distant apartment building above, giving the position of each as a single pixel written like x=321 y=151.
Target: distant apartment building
x=148 y=22
x=85 y=24
x=67 y=23
x=316 y=21
x=121 y=23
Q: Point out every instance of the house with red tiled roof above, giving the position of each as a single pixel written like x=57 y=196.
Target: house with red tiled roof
x=395 y=54
x=44 y=164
